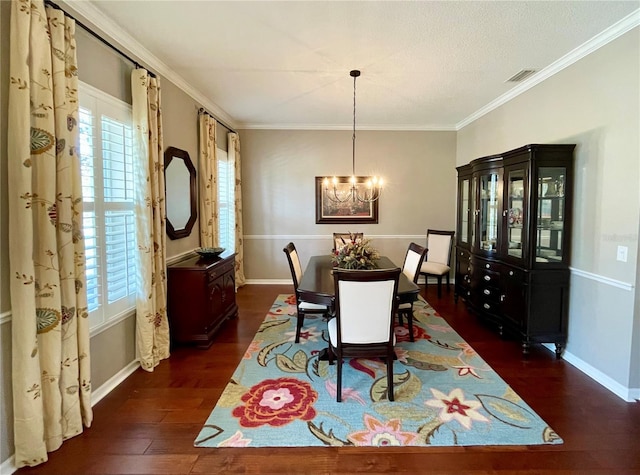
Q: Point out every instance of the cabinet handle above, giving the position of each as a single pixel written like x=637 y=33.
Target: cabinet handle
x=487 y=306
x=487 y=266
x=504 y=213
x=510 y=272
x=502 y=297
x=487 y=292
x=487 y=278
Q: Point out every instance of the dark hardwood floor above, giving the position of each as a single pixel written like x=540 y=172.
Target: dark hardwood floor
x=148 y=424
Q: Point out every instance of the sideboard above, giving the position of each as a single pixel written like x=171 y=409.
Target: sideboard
x=201 y=295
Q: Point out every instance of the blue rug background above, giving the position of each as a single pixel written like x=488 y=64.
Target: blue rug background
x=445 y=394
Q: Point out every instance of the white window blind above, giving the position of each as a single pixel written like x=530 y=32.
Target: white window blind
x=106 y=146
x=226 y=200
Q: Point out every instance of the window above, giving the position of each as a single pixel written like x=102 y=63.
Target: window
x=106 y=155
x=226 y=200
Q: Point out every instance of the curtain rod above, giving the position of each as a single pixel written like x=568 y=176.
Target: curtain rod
x=202 y=109
x=99 y=38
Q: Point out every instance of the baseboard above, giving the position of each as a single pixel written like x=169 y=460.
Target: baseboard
x=113 y=382
x=269 y=281
x=8 y=466
x=623 y=392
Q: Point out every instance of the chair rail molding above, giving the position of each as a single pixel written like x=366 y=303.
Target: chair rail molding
x=602 y=279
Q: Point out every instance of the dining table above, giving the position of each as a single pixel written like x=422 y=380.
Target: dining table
x=317 y=285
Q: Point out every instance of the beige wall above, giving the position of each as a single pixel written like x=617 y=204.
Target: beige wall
x=595 y=104
x=278 y=173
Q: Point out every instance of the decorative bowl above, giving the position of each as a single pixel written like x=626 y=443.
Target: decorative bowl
x=209 y=252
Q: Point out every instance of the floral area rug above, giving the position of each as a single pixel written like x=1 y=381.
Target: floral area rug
x=281 y=395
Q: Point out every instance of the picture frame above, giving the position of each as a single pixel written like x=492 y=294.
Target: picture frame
x=348 y=212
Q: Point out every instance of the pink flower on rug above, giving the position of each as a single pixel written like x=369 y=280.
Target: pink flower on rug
x=381 y=434
x=455 y=407
x=347 y=393
x=309 y=334
x=235 y=440
x=402 y=333
x=401 y=354
x=277 y=402
x=290 y=300
x=288 y=310
x=253 y=347
x=466 y=349
x=465 y=370
x=441 y=328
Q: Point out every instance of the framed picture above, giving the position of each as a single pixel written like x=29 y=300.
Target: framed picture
x=332 y=212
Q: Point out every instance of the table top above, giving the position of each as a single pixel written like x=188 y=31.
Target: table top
x=317 y=285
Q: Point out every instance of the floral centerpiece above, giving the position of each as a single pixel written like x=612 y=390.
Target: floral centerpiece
x=357 y=253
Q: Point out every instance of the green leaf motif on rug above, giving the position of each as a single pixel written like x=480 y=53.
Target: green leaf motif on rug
x=264 y=352
x=327 y=438
x=401 y=410
x=431 y=361
x=296 y=365
x=427 y=431
x=232 y=394
x=269 y=324
x=506 y=411
x=406 y=387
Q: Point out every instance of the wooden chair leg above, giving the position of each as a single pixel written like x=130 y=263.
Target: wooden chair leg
x=439 y=286
x=448 y=283
x=339 y=385
x=390 y=376
x=409 y=315
x=299 y=325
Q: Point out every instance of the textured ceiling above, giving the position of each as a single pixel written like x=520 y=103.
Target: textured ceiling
x=425 y=65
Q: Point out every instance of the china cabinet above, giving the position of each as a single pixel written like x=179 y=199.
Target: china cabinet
x=201 y=296
x=513 y=241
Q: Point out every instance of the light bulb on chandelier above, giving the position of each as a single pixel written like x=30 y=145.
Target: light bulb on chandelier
x=372 y=185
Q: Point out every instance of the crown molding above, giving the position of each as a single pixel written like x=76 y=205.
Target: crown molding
x=95 y=17
x=616 y=30
x=399 y=128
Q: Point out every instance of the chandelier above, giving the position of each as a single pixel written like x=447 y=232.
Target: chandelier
x=371 y=189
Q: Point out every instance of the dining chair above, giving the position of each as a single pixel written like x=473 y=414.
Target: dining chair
x=437 y=263
x=340 y=239
x=365 y=304
x=303 y=307
x=411 y=268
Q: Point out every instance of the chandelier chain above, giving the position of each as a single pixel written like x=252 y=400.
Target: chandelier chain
x=353 y=138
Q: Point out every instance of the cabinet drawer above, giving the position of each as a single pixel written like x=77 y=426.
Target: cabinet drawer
x=214 y=273
x=490 y=294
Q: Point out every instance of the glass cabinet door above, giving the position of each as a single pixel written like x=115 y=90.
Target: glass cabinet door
x=488 y=212
x=474 y=188
x=514 y=212
x=550 y=214
x=465 y=210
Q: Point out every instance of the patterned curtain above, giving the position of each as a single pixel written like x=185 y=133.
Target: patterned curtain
x=50 y=331
x=208 y=182
x=152 y=326
x=234 y=154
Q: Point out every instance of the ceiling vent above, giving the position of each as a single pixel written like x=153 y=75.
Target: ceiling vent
x=521 y=75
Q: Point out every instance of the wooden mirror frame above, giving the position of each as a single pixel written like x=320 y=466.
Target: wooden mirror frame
x=175 y=153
